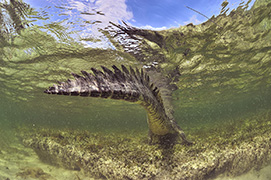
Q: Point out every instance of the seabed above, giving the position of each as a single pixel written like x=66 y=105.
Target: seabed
x=227 y=152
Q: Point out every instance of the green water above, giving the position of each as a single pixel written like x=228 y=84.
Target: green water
x=224 y=77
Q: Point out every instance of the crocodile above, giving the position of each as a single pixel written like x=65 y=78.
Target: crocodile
x=132 y=85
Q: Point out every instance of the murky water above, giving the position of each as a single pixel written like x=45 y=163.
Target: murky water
x=221 y=68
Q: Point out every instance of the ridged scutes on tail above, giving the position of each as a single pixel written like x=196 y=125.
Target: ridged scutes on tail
x=125 y=84
x=129 y=85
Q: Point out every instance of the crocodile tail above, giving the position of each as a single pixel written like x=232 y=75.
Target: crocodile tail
x=129 y=85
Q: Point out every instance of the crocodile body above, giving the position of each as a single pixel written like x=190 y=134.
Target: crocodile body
x=129 y=85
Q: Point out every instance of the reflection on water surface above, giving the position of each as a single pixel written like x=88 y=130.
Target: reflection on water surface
x=220 y=69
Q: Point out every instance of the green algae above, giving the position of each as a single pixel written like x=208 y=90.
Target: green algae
x=230 y=149
x=212 y=64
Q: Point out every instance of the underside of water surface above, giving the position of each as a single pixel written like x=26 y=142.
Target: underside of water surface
x=217 y=74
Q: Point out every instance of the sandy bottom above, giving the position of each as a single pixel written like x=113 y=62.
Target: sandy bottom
x=19 y=163
x=251 y=147
x=263 y=174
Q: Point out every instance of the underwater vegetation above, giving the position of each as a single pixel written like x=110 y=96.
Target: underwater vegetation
x=227 y=149
x=194 y=66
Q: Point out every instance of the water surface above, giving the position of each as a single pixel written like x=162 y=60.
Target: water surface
x=221 y=68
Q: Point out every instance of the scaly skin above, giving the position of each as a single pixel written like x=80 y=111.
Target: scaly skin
x=132 y=86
